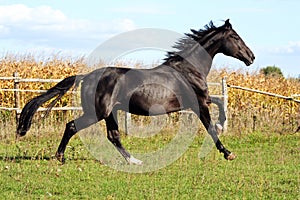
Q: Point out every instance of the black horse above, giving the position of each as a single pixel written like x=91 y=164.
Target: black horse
x=179 y=83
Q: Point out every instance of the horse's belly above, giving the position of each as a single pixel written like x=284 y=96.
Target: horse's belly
x=154 y=99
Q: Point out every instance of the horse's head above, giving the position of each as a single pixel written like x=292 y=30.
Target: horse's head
x=213 y=40
x=233 y=45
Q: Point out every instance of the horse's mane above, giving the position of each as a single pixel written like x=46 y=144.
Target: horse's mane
x=189 y=40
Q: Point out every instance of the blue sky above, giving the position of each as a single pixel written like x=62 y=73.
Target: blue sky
x=271 y=28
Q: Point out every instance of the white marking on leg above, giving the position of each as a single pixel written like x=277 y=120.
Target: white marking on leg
x=133 y=160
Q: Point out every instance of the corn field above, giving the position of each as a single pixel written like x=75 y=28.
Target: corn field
x=252 y=111
x=247 y=111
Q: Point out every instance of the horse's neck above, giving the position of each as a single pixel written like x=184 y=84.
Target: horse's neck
x=197 y=59
x=191 y=65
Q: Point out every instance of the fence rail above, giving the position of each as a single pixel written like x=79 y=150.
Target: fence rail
x=19 y=79
x=290 y=98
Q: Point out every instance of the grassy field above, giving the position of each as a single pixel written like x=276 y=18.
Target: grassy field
x=260 y=134
x=267 y=167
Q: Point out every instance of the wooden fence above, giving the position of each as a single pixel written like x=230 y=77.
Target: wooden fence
x=17 y=92
x=290 y=98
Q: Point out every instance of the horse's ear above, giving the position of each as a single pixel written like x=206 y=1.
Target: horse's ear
x=227 y=24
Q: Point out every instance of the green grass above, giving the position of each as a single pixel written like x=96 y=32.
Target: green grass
x=267 y=167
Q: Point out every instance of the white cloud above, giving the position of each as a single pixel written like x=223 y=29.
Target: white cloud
x=45 y=26
x=292 y=47
x=252 y=10
x=19 y=13
x=13 y=13
x=3 y=29
x=126 y=24
x=145 y=9
x=138 y=10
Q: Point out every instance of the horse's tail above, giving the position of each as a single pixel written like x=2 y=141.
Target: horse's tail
x=32 y=106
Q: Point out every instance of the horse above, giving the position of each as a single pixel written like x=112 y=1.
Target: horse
x=178 y=83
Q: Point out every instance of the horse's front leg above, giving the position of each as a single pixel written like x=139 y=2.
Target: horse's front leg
x=113 y=136
x=204 y=116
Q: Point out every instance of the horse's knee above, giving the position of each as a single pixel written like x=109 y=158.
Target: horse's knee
x=71 y=128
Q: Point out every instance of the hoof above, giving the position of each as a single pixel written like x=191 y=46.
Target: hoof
x=133 y=161
x=20 y=133
x=60 y=157
x=231 y=156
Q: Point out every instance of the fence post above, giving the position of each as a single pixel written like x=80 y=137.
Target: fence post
x=127 y=122
x=225 y=101
x=16 y=95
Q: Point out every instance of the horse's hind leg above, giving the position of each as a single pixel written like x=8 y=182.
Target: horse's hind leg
x=71 y=129
x=113 y=136
x=222 y=116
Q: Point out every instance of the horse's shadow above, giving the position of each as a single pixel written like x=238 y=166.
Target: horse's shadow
x=15 y=158
x=19 y=158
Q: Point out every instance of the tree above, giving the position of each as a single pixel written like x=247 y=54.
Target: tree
x=272 y=71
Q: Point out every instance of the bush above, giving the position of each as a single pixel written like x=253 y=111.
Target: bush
x=272 y=71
